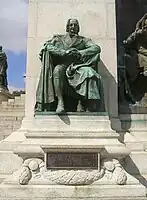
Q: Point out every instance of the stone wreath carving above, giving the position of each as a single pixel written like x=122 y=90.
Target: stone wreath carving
x=35 y=168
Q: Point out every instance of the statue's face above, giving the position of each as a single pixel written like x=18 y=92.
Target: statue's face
x=73 y=26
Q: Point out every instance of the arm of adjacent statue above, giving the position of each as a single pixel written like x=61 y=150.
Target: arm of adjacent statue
x=133 y=36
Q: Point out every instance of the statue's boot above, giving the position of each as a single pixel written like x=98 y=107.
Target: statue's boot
x=81 y=106
x=60 y=108
x=38 y=107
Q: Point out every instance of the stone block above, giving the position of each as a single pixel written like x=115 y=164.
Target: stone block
x=55 y=192
x=111 y=20
x=4 y=103
x=85 y=11
x=11 y=101
x=32 y=20
x=9 y=162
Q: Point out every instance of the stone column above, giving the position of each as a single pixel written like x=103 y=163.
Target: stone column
x=97 y=21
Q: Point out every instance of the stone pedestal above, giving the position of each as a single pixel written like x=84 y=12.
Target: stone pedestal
x=71 y=133
x=5 y=95
x=101 y=192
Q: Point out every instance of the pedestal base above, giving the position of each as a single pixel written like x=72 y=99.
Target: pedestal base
x=71 y=134
x=57 y=192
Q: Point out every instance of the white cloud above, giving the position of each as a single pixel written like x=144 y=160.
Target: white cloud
x=13 y=24
x=12 y=88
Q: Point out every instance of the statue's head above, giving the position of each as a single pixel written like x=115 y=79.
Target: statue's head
x=72 y=26
x=1 y=48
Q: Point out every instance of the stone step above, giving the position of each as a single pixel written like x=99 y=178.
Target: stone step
x=11 y=101
x=13 y=125
x=22 y=96
x=20 y=103
x=62 y=192
x=7 y=129
x=12 y=109
x=4 y=103
x=10 y=113
x=3 y=177
x=10 y=118
x=17 y=98
x=10 y=104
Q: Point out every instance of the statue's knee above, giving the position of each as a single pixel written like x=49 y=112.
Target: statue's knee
x=59 y=70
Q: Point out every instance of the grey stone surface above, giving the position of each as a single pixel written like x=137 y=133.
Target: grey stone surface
x=11 y=115
x=103 y=192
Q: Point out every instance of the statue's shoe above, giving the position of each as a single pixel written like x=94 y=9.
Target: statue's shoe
x=60 y=109
x=145 y=73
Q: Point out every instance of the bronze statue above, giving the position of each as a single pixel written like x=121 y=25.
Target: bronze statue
x=3 y=69
x=136 y=59
x=137 y=41
x=69 y=69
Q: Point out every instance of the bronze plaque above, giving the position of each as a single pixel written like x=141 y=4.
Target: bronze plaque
x=64 y=160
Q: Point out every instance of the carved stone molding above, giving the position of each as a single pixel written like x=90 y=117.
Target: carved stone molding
x=35 y=168
x=31 y=168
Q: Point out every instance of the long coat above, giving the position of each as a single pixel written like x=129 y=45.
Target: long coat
x=53 y=53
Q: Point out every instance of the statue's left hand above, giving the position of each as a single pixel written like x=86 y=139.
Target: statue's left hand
x=74 y=53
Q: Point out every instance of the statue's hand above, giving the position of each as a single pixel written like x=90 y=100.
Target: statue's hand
x=74 y=53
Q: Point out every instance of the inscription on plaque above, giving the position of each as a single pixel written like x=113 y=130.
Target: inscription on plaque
x=62 y=160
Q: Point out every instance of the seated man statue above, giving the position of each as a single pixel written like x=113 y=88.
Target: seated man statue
x=3 y=69
x=69 y=63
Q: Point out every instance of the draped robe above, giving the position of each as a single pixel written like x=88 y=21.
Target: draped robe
x=85 y=81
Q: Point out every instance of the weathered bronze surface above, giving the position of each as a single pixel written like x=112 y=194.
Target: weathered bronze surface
x=69 y=80
x=3 y=69
x=132 y=66
x=62 y=160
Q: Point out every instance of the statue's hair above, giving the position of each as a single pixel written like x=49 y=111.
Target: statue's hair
x=68 y=23
x=140 y=24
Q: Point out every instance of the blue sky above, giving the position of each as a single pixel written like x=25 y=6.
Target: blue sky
x=13 y=38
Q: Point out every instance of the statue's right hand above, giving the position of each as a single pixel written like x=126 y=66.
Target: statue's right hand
x=73 y=52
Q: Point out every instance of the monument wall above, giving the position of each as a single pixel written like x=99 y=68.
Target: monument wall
x=97 y=21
